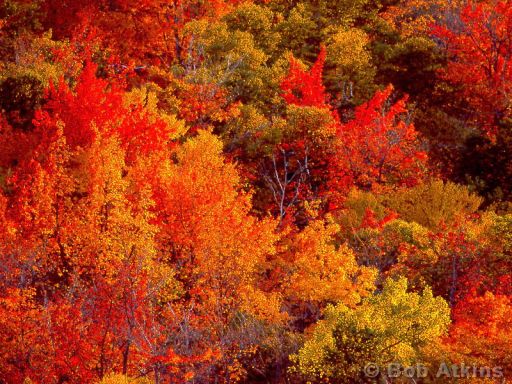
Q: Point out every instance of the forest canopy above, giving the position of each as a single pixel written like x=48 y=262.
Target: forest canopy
x=255 y=191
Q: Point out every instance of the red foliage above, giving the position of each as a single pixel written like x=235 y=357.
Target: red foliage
x=479 y=49
x=97 y=105
x=305 y=88
x=379 y=147
x=482 y=330
x=140 y=31
x=370 y=221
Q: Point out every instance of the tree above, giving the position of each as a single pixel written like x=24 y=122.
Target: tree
x=379 y=147
x=229 y=191
x=349 y=73
x=469 y=254
x=297 y=146
x=81 y=242
x=311 y=270
x=219 y=251
x=479 y=66
x=391 y=326
x=135 y=32
x=417 y=17
x=479 y=49
x=481 y=331
x=433 y=203
x=305 y=88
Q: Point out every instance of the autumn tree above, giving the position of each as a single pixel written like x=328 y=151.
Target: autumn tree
x=311 y=271
x=242 y=191
x=392 y=325
x=87 y=239
x=480 y=333
x=478 y=50
x=379 y=147
x=296 y=146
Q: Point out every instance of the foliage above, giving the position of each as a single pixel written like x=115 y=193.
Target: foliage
x=393 y=325
x=380 y=147
x=483 y=322
x=253 y=191
x=479 y=50
x=433 y=203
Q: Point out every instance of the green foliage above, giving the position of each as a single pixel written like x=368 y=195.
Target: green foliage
x=21 y=96
x=391 y=326
x=259 y=22
x=341 y=12
x=409 y=63
x=501 y=232
x=223 y=57
x=350 y=72
x=481 y=159
x=299 y=33
x=22 y=83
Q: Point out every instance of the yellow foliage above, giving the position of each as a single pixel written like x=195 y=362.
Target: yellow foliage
x=501 y=231
x=433 y=202
x=346 y=49
x=258 y=21
x=148 y=98
x=229 y=54
x=391 y=326
x=207 y=216
x=34 y=60
x=297 y=28
x=114 y=230
x=356 y=205
x=322 y=272
x=122 y=379
x=414 y=17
